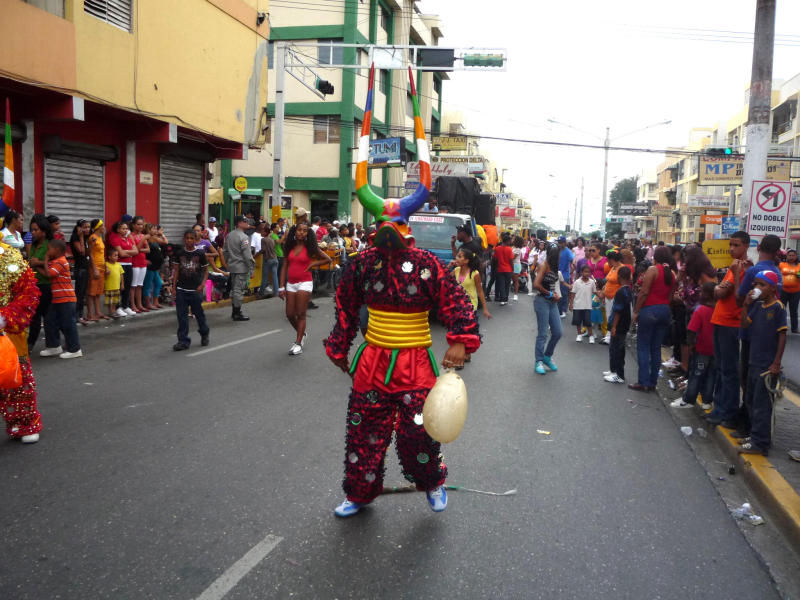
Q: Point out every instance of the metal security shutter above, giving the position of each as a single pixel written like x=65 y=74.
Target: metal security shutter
x=74 y=188
x=180 y=195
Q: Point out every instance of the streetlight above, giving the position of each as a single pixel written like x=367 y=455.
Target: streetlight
x=606 y=144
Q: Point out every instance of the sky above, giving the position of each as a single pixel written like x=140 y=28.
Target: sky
x=623 y=64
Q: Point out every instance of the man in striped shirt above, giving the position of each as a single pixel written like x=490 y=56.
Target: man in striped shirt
x=61 y=316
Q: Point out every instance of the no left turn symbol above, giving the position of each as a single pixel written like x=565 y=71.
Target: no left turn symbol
x=771 y=198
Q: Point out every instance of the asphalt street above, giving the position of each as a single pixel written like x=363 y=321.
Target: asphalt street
x=209 y=474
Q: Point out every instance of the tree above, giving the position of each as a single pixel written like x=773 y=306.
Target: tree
x=624 y=192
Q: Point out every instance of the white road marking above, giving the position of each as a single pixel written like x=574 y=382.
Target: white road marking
x=229 y=344
x=228 y=580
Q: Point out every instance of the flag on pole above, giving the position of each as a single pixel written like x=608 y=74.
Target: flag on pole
x=8 y=168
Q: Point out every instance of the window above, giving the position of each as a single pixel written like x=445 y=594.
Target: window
x=327 y=129
x=409 y=106
x=437 y=85
x=55 y=7
x=383 y=81
x=385 y=20
x=113 y=12
x=328 y=55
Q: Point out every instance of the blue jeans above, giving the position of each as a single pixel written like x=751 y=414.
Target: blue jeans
x=152 y=285
x=726 y=351
x=61 y=319
x=759 y=405
x=546 y=316
x=653 y=325
x=270 y=267
x=701 y=379
x=183 y=301
x=563 y=303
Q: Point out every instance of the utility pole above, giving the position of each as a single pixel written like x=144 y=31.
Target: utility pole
x=580 y=219
x=606 y=144
x=575 y=215
x=281 y=51
x=759 y=136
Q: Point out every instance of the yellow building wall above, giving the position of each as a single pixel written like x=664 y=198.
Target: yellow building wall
x=203 y=62
x=43 y=45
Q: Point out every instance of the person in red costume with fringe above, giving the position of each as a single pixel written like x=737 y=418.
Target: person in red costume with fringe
x=394 y=369
x=19 y=297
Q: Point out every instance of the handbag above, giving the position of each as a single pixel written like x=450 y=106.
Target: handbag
x=10 y=371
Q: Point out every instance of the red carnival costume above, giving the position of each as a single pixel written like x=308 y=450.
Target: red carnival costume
x=394 y=370
x=19 y=297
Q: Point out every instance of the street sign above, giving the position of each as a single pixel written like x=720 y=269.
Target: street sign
x=718 y=253
x=730 y=225
x=770 y=203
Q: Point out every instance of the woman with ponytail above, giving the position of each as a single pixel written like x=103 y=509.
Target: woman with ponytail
x=653 y=317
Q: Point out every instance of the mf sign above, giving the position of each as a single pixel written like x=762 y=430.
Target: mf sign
x=770 y=203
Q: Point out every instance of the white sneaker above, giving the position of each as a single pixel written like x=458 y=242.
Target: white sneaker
x=614 y=378
x=515 y=298
x=120 y=313
x=606 y=340
x=607 y=373
x=679 y=403
x=579 y=338
x=51 y=351
x=563 y=315
x=76 y=354
x=591 y=339
x=296 y=349
x=129 y=312
x=30 y=439
x=705 y=406
x=670 y=364
x=530 y=293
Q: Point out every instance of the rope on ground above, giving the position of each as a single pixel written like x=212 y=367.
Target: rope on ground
x=454 y=488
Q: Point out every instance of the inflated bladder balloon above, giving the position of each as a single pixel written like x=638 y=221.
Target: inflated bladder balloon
x=445 y=408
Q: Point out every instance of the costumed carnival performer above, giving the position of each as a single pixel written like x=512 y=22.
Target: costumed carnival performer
x=19 y=297
x=394 y=370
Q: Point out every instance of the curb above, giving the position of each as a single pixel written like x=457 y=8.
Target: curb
x=772 y=490
x=227 y=302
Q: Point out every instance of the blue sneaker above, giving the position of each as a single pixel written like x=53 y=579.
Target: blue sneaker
x=540 y=368
x=347 y=509
x=437 y=499
x=549 y=363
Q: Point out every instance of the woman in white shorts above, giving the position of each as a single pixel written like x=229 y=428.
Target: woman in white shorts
x=301 y=255
x=139 y=262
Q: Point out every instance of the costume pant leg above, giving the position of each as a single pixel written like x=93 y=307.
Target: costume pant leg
x=370 y=422
x=419 y=454
x=19 y=405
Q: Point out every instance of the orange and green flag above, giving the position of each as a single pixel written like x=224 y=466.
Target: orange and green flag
x=8 y=168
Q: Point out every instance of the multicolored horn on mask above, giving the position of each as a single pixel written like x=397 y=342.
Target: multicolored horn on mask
x=397 y=211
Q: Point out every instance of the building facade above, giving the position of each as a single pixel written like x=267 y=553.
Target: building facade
x=119 y=107
x=320 y=136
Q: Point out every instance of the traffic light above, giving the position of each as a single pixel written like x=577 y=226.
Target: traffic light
x=484 y=60
x=324 y=87
x=727 y=151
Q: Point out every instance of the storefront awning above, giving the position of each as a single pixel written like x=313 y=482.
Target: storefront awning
x=215 y=196
x=248 y=192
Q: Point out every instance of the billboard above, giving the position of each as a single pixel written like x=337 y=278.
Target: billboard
x=708 y=202
x=449 y=143
x=438 y=169
x=636 y=208
x=386 y=152
x=728 y=170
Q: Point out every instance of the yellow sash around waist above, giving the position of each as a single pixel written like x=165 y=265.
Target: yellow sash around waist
x=398 y=330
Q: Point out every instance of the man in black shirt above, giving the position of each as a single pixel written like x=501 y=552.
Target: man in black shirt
x=464 y=235
x=189 y=276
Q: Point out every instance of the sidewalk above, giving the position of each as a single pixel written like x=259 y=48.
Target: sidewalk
x=774 y=479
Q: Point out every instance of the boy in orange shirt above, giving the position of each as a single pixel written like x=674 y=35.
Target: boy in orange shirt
x=727 y=319
x=61 y=316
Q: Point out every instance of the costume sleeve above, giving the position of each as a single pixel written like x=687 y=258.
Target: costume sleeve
x=18 y=313
x=349 y=298
x=455 y=311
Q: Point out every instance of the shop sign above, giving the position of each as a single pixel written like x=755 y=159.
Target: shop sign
x=770 y=205
x=718 y=253
x=730 y=225
x=438 y=169
x=449 y=143
x=662 y=210
x=708 y=202
x=711 y=220
x=385 y=152
x=637 y=208
x=728 y=170
x=240 y=184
